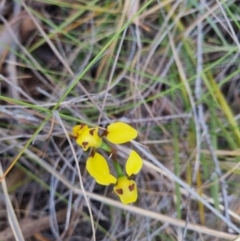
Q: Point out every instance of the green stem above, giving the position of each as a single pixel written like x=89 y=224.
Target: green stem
x=113 y=152
x=118 y=169
x=106 y=147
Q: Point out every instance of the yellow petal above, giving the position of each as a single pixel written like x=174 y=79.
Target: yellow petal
x=89 y=138
x=126 y=190
x=133 y=164
x=119 y=133
x=79 y=129
x=98 y=168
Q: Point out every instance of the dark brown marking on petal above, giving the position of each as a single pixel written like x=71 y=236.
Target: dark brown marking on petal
x=131 y=187
x=91 y=132
x=119 y=191
x=92 y=154
x=81 y=126
x=72 y=136
x=105 y=133
x=84 y=144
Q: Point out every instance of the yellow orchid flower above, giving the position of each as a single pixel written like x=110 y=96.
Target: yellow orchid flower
x=116 y=133
x=125 y=188
x=86 y=137
x=79 y=129
x=120 y=132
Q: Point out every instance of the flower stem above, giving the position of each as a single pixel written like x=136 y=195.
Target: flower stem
x=106 y=147
x=118 y=169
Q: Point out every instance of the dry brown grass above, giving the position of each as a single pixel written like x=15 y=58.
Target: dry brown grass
x=169 y=68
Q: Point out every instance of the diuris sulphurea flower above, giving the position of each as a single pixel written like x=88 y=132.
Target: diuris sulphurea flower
x=125 y=188
x=86 y=137
x=97 y=166
x=116 y=133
